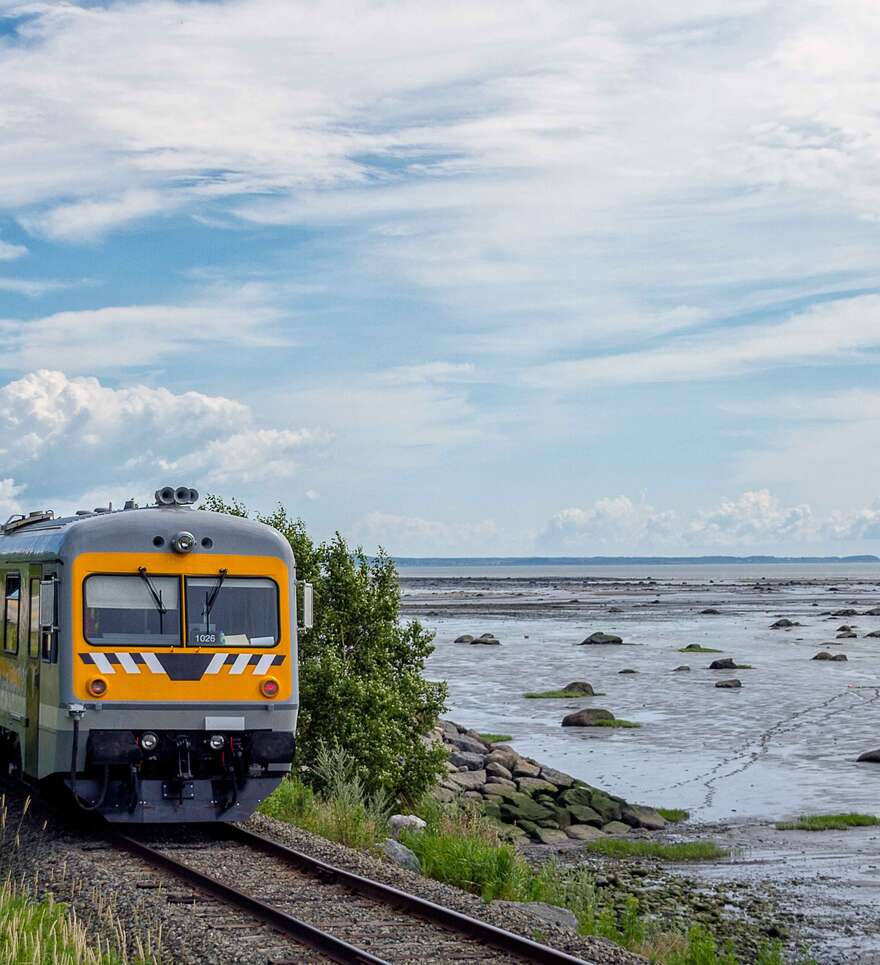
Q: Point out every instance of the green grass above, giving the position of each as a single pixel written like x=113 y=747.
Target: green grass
x=828 y=822
x=698 y=649
x=46 y=933
x=617 y=722
x=497 y=738
x=684 y=851
x=673 y=814
x=552 y=694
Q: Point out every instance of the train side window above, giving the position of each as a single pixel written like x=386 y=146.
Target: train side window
x=34 y=619
x=11 y=607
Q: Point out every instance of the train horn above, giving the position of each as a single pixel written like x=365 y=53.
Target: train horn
x=165 y=496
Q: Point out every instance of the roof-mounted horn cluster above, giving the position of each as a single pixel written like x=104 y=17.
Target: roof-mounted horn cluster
x=182 y=496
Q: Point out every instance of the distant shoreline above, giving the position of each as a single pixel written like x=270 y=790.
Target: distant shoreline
x=424 y=561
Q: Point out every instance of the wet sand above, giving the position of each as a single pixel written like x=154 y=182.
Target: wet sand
x=782 y=745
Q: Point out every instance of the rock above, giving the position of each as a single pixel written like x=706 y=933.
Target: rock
x=682 y=668
x=472 y=796
x=601 y=638
x=526 y=768
x=467 y=759
x=874 y=633
x=607 y=807
x=615 y=609
x=579 y=688
x=548 y=914
x=710 y=611
x=616 y=827
x=839 y=658
x=449 y=729
x=724 y=664
x=844 y=613
x=494 y=769
x=844 y=629
x=465 y=638
x=824 y=655
x=693 y=646
x=869 y=757
x=873 y=612
x=584 y=832
x=586 y=717
x=551 y=836
x=487 y=640
x=847 y=636
x=783 y=624
x=627 y=670
x=500 y=780
x=507 y=791
x=405 y=822
x=523 y=808
x=469 y=780
x=577 y=795
x=583 y=814
x=729 y=684
x=556 y=777
x=471 y=744
x=638 y=816
x=443 y=795
x=531 y=785
x=400 y=855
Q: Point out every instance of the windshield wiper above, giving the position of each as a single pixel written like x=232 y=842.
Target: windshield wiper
x=212 y=599
x=157 y=599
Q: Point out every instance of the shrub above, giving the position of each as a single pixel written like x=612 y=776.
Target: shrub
x=361 y=684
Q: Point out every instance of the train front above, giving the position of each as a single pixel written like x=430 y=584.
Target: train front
x=183 y=663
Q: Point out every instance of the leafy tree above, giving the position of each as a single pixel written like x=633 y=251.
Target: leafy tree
x=361 y=683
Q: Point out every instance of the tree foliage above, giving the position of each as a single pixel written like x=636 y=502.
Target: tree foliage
x=361 y=683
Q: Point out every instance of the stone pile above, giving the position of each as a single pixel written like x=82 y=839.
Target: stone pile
x=532 y=800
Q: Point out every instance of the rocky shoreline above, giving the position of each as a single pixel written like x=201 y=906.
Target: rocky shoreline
x=532 y=801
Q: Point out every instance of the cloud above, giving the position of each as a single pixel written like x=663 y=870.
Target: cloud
x=9 y=252
x=88 y=220
x=61 y=434
x=838 y=331
x=612 y=521
x=414 y=536
x=429 y=373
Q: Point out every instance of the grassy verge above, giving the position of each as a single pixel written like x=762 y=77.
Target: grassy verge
x=673 y=814
x=46 y=933
x=828 y=822
x=684 y=851
x=698 y=649
x=617 y=722
x=497 y=738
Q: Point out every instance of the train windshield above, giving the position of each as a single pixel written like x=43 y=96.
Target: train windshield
x=231 y=611
x=132 y=611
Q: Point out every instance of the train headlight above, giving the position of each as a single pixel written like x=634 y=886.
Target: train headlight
x=183 y=542
x=216 y=742
x=149 y=741
x=269 y=687
x=97 y=686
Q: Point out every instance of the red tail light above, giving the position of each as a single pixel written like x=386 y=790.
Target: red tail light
x=269 y=687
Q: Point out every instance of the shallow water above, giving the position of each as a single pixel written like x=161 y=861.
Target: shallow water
x=784 y=743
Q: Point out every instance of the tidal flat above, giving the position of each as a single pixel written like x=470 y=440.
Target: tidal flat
x=784 y=744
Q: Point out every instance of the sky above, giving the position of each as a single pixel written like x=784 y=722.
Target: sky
x=509 y=278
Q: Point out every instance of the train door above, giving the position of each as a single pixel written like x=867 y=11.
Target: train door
x=32 y=642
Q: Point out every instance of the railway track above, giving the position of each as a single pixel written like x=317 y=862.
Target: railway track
x=334 y=913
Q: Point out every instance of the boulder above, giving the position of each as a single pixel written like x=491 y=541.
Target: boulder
x=710 y=611
x=400 y=855
x=601 y=638
x=586 y=717
x=443 y=795
x=584 y=832
x=449 y=729
x=681 y=669
x=693 y=646
x=577 y=795
x=579 y=688
x=581 y=814
x=849 y=635
x=551 y=836
x=547 y=914
x=638 y=816
x=616 y=828
x=507 y=791
x=724 y=664
x=823 y=655
x=467 y=759
x=494 y=769
x=839 y=658
x=465 y=638
x=523 y=808
x=844 y=628
x=531 y=785
x=627 y=670
x=469 y=780
x=465 y=743
x=873 y=633
x=783 y=624
x=526 y=768
x=844 y=613
x=405 y=822
x=869 y=757
x=607 y=807
x=873 y=612
x=500 y=780
x=558 y=778
x=729 y=684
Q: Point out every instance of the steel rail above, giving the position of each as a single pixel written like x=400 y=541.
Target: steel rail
x=334 y=948
x=411 y=904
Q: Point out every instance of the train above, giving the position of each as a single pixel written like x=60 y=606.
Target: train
x=148 y=658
